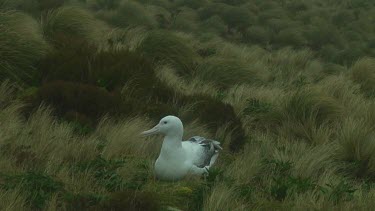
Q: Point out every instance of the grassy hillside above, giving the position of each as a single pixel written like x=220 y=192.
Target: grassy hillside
x=287 y=87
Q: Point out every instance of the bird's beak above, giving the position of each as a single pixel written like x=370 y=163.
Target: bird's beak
x=152 y=131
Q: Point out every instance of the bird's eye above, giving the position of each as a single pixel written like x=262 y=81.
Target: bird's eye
x=165 y=122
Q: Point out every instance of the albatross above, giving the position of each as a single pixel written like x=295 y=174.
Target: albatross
x=179 y=158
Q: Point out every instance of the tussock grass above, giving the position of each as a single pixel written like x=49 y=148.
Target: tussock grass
x=278 y=88
x=129 y=38
x=223 y=197
x=128 y=14
x=124 y=139
x=162 y=47
x=357 y=147
x=21 y=46
x=226 y=72
x=363 y=73
x=72 y=21
x=189 y=87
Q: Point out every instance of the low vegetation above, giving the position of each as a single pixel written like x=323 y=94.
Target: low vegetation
x=288 y=88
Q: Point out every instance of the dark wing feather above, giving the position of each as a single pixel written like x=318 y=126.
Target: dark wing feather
x=210 y=150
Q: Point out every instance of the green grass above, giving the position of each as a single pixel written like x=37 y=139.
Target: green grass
x=164 y=47
x=21 y=46
x=286 y=87
x=70 y=20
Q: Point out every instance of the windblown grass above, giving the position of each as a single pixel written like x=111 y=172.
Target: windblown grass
x=163 y=47
x=286 y=91
x=21 y=46
x=128 y=14
x=363 y=73
x=72 y=21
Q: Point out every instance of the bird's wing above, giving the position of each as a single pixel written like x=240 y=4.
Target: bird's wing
x=203 y=152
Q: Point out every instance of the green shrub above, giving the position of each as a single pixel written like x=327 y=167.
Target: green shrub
x=194 y=4
x=231 y=2
x=238 y=18
x=39 y=187
x=343 y=18
x=329 y=53
x=186 y=21
x=351 y=53
x=297 y=6
x=257 y=34
x=165 y=47
x=214 y=24
x=323 y=34
x=103 y=4
x=276 y=24
x=129 y=14
x=290 y=37
x=363 y=73
x=211 y=10
x=283 y=183
x=105 y=172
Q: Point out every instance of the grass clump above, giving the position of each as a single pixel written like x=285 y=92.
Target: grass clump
x=363 y=73
x=356 y=142
x=70 y=20
x=38 y=186
x=85 y=99
x=216 y=114
x=163 y=47
x=127 y=14
x=132 y=201
x=226 y=72
x=21 y=46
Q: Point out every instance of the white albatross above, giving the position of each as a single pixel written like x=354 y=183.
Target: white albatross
x=180 y=158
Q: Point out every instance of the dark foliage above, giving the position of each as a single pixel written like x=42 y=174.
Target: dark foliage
x=22 y=155
x=70 y=60
x=89 y=100
x=215 y=113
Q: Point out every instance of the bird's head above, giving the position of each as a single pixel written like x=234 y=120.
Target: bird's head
x=168 y=126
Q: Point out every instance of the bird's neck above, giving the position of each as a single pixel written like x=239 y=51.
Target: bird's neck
x=171 y=144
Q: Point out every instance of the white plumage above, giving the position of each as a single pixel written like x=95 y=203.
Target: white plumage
x=179 y=158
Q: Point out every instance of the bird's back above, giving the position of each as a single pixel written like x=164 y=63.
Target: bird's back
x=201 y=151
